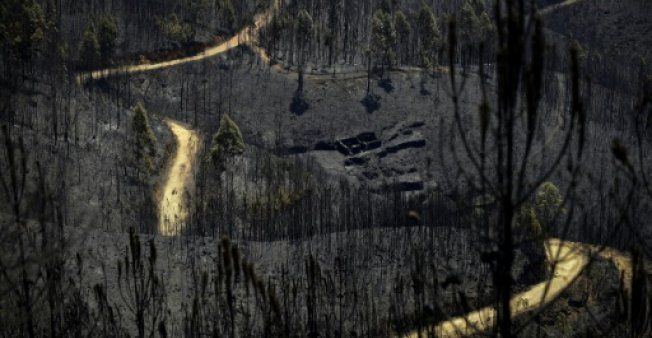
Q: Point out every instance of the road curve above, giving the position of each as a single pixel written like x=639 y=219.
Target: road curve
x=245 y=35
x=571 y=259
x=555 y=7
x=174 y=202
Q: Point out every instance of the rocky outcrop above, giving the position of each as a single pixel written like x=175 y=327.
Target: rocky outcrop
x=356 y=160
x=401 y=142
x=325 y=146
x=379 y=159
x=351 y=145
x=296 y=150
x=409 y=182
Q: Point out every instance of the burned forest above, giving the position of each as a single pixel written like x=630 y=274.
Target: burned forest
x=325 y=168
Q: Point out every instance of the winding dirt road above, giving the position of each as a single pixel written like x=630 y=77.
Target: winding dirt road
x=558 y=6
x=174 y=201
x=242 y=37
x=571 y=260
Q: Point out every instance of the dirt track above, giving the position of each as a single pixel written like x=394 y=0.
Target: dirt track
x=570 y=260
x=173 y=205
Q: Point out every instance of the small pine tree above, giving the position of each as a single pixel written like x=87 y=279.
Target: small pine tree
x=469 y=24
x=144 y=140
x=227 y=142
x=107 y=36
x=383 y=36
x=89 y=51
x=304 y=29
x=548 y=204
x=22 y=28
x=176 y=30
x=228 y=15
x=403 y=29
x=428 y=35
x=487 y=28
x=529 y=234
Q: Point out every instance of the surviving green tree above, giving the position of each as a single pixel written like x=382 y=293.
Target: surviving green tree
x=403 y=30
x=428 y=35
x=548 y=204
x=227 y=142
x=228 y=15
x=470 y=32
x=304 y=29
x=89 y=51
x=144 y=141
x=528 y=233
x=176 y=30
x=383 y=38
x=22 y=28
x=106 y=36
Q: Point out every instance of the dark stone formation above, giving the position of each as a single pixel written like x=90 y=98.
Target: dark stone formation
x=325 y=145
x=417 y=124
x=352 y=145
x=343 y=148
x=297 y=150
x=373 y=145
x=411 y=186
x=409 y=182
x=355 y=161
x=370 y=175
x=356 y=149
x=367 y=137
x=350 y=142
x=411 y=143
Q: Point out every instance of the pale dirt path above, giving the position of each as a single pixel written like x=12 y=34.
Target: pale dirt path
x=571 y=259
x=173 y=205
x=242 y=37
x=560 y=5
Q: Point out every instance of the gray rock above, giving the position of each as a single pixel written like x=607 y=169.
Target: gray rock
x=325 y=145
x=356 y=160
x=295 y=150
x=409 y=182
x=414 y=140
